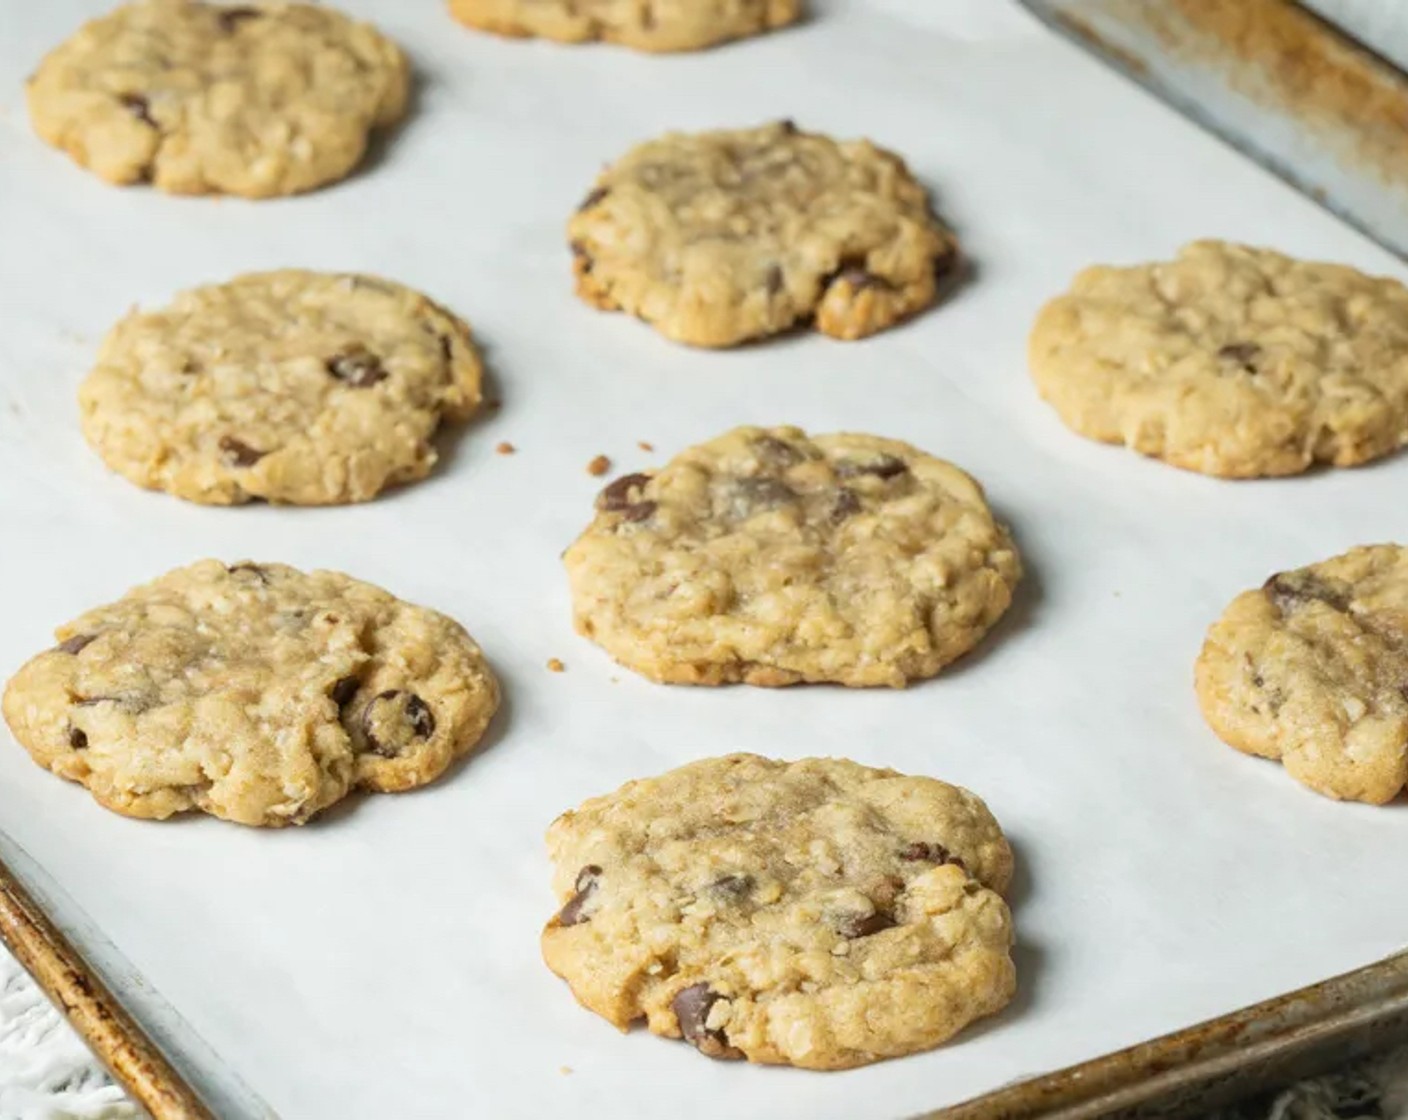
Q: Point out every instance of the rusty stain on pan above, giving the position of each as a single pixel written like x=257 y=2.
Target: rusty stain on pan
x=95 y=1013
x=1192 y=1071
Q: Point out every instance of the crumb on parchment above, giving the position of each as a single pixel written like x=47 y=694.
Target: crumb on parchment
x=505 y=448
x=644 y=445
x=555 y=665
x=599 y=466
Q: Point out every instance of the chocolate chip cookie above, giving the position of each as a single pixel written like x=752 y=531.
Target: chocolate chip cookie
x=1230 y=360
x=771 y=557
x=307 y=388
x=250 y=99
x=1312 y=669
x=253 y=692
x=818 y=913
x=647 y=25
x=716 y=238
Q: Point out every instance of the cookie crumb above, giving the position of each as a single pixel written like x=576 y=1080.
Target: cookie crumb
x=556 y=665
x=505 y=448
x=599 y=466
x=564 y=1070
x=645 y=445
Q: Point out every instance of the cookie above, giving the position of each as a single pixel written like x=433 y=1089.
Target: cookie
x=647 y=25
x=252 y=99
x=254 y=692
x=818 y=913
x=770 y=557
x=716 y=238
x=306 y=388
x=1312 y=669
x=1230 y=360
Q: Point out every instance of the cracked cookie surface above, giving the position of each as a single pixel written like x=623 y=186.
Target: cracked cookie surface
x=253 y=692
x=647 y=25
x=773 y=558
x=715 y=238
x=299 y=387
x=817 y=913
x=256 y=100
x=1312 y=669
x=1230 y=360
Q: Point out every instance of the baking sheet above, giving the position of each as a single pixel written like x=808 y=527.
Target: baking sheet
x=383 y=961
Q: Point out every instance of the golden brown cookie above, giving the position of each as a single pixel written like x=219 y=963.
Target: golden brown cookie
x=253 y=692
x=253 y=99
x=770 y=557
x=716 y=238
x=1312 y=669
x=816 y=913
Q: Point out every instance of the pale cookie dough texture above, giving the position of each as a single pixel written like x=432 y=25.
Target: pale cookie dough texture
x=250 y=99
x=1230 y=360
x=818 y=913
x=304 y=388
x=772 y=558
x=647 y=25
x=1312 y=669
x=253 y=692
x=720 y=237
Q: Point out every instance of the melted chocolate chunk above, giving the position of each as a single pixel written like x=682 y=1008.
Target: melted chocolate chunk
x=619 y=495
x=77 y=739
x=691 y=1007
x=925 y=851
x=76 y=644
x=238 y=453
x=586 y=885
x=583 y=258
x=252 y=569
x=773 y=279
x=138 y=106
x=1243 y=353
x=356 y=367
x=731 y=889
x=344 y=690
x=1288 y=591
x=853 y=926
x=231 y=18
x=882 y=466
x=847 y=504
x=748 y=497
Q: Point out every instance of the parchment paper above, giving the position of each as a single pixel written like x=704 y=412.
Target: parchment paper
x=383 y=962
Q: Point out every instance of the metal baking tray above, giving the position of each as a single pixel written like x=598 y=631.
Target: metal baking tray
x=383 y=960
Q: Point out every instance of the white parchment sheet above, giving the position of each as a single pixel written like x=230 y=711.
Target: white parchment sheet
x=383 y=962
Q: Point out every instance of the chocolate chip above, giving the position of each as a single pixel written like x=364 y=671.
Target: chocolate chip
x=586 y=885
x=788 y=125
x=239 y=453
x=447 y=348
x=138 y=106
x=847 y=504
x=945 y=262
x=416 y=721
x=773 y=279
x=357 y=367
x=748 y=497
x=860 y=279
x=618 y=495
x=77 y=739
x=776 y=453
x=1291 y=590
x=343 y=691
x=252 y=569
x=1242 y=353
x=421 y=717
x=731 y=889
x=925 y=851
x=230 y=18
x=691 y=1007
x=582 y=257
x=640 y=511
x=852 y=926
x=76 y=644
x=591 y=200
x=883 y=466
